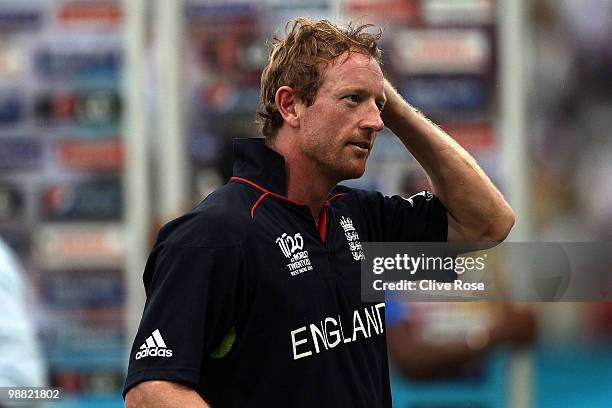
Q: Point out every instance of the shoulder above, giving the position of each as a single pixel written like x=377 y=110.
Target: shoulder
x=222 y=219
x=375 y=198
x=367 y=206
x=354 y=196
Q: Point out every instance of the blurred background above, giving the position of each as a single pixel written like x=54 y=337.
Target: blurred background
x=116 y=117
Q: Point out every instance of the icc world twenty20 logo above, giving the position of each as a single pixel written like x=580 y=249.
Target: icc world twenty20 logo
x=290 y=244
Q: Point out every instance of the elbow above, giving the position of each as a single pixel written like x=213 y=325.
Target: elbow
x=500 y=227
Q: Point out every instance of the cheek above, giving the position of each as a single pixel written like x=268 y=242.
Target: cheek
x=332 y=117
x=316 y=122
x=324 y=128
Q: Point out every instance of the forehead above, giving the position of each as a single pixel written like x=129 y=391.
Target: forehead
x=356 y=70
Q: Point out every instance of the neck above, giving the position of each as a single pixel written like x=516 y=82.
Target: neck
x=305 y=182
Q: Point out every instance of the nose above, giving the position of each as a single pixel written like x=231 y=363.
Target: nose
x=372 y=119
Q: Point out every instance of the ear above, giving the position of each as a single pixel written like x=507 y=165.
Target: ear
x=286 y=102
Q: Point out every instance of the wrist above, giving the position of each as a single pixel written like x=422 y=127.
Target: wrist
x=404 y=120
x=396 y=107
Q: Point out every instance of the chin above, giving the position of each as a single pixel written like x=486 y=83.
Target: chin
x=350 y=173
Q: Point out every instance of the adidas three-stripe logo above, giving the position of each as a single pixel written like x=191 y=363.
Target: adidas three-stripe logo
x=154 y=340
x=154 y=346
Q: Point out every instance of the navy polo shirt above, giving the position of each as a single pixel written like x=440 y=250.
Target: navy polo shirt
x=251 y=304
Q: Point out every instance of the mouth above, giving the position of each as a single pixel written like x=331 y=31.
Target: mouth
x=362 y=145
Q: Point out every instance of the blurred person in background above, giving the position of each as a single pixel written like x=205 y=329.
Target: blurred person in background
x=20 y=360
x=419 y=351
x=235 y=286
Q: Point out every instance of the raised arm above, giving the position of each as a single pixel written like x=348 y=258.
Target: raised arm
x=163 y=394
x=477 y=211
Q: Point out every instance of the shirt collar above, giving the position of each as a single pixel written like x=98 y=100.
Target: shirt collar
x=256 y=162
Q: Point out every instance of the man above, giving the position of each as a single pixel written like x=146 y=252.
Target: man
x=253 y=298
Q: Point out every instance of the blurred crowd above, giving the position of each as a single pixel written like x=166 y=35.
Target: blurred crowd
x=570 y=101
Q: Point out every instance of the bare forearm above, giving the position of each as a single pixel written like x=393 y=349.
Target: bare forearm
x=477 y=206
x=163 y=394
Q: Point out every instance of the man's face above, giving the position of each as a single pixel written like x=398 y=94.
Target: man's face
x=337 y=131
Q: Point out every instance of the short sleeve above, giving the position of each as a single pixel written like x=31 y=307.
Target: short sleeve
x=420 y=218
x=194 y=296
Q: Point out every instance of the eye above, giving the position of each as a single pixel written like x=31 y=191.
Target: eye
x=353 y=98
